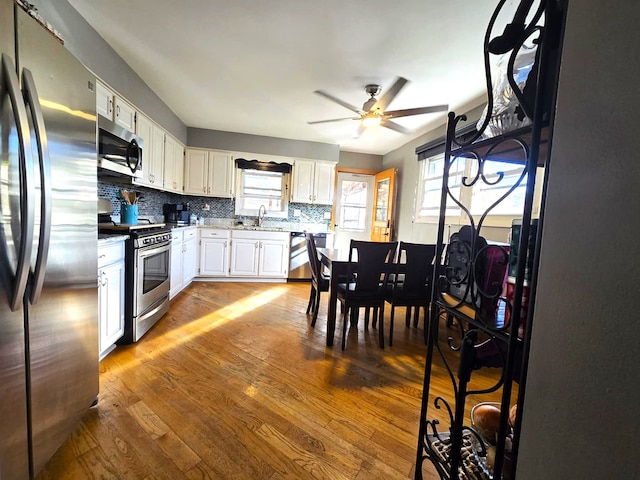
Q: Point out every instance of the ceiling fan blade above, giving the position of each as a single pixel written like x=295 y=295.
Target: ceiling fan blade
x=416 y=111
x=333 y=120
x=361 y=129
x=389 y=94
x=338 y=101
x=396 y=127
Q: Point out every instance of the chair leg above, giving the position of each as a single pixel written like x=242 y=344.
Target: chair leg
x=374 y=322
x=316 y=308
x=393 y=308
x=416 y=316
x=311 y=298
x=366 y=318
x=344 y=327
x=407 y=316
x=381 y=327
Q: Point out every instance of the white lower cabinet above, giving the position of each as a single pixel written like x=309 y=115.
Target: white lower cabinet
x=243 y=254
x=214 y=252
x=110 y=295
x=259 y=254
x=184 y=258
x=189 y=257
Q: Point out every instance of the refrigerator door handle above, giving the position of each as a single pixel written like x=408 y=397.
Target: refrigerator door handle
x=27 y=189
x=33 y=102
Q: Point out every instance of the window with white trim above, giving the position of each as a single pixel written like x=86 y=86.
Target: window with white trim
x=478 y=198
x=430 y=187
x=259 y=187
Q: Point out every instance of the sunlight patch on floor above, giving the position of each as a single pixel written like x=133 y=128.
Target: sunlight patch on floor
x=173 y=338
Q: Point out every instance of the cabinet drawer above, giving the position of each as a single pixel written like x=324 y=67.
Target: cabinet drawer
x=260 y=235
x=189 y=233
x=110 y=253
x=213 y=233
x=177 y=234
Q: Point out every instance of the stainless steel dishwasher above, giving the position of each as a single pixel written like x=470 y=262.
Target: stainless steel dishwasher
x=299 y=268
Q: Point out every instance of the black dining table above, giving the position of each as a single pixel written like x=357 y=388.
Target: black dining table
x=337 y=261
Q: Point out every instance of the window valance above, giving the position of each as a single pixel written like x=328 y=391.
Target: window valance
x=436 y=147
x=245 y=164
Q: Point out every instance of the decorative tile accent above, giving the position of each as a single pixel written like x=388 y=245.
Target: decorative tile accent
x=151 y=202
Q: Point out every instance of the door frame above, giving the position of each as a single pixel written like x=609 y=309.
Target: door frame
x=361 y=171
x=384 y=230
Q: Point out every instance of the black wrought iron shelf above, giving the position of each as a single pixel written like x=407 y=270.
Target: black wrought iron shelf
x=484 y=328
x=510 y=147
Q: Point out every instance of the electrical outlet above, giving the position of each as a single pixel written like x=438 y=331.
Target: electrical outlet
x=327 y=215
x=297 y=212
x=206 y=207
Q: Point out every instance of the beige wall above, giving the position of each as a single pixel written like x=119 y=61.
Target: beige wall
x=405 y=160
x=365 y=161
x=581 y=416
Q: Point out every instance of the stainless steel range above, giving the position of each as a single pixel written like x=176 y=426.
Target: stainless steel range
x=147 y=263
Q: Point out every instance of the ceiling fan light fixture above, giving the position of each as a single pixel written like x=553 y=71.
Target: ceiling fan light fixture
x=371 y=120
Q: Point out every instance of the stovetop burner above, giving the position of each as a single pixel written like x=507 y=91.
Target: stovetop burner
x=138 y=230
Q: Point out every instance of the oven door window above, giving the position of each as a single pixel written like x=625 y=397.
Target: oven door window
x=155 y=270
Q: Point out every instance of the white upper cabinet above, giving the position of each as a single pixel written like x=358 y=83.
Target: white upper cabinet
x=324 y=182
x=115 y=108
x=196 y=167
x=152 y=153
x=221 y=175
x=104 y=101
x=313 y=182
x=173 y=165
x=208 y=173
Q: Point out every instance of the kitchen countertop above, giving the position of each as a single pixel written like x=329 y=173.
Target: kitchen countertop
x=107 y=238
x=255 y=228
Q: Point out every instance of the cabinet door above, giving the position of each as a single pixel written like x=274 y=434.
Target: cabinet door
x=324 y=183
x=176 y=276
x=156 y=172
x=111 y=305
x=144 y=129
x=104 y=101
x=220 y=174
x=214 y=257
x=195 y=172
x=244 y=257
x=273 y=258
x=173 y=165
x=170 y=147
x=302 y=191
x=189 y=261
x=124 y=114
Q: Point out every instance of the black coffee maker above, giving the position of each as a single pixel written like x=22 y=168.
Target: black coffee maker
x=176 y=213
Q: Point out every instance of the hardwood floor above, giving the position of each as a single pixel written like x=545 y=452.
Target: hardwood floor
x=233 y=383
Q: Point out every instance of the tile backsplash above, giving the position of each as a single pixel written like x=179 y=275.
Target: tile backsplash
x=220 y=209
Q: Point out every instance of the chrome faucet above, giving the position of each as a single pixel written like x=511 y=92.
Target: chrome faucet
x=262 y=211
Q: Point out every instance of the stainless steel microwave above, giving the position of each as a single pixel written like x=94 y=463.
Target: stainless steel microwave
x=119 y=150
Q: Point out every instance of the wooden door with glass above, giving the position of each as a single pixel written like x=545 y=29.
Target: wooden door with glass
x=384 y=194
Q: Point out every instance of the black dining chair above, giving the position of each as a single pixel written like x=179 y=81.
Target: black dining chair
x=411 y=282
x=369 y=269
x=319 y=281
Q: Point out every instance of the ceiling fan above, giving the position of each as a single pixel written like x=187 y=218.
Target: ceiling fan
x=374 y=112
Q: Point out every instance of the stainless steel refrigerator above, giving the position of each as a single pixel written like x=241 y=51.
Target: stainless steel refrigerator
x=48 y=244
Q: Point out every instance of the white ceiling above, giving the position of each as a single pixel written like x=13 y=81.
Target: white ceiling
x=251 y=66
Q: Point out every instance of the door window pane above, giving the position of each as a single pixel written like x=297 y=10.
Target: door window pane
x=353 y=211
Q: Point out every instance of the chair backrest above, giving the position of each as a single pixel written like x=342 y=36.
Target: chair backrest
x=375 y=261
x=415 y=266
x=314 y=261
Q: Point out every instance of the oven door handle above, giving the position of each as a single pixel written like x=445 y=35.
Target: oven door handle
x=150 y=251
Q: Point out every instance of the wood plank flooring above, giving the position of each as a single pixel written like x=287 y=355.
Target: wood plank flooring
x=233 y=383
